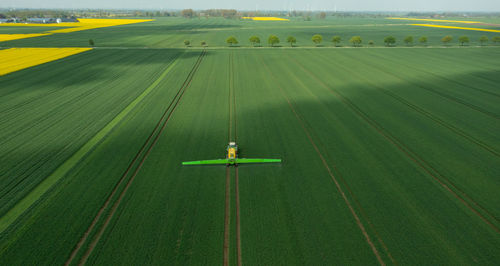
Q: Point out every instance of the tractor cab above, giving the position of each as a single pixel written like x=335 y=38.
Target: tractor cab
x=232 y=150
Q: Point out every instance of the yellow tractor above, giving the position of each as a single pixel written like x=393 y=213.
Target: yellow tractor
x=232 y=150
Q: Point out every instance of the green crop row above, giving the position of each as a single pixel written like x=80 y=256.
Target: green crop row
x=76 y=199
x=388 y=155
x=46 y=118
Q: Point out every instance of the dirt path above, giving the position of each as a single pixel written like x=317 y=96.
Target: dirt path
x=425 y=166
x=330 y=173
x=144 y=152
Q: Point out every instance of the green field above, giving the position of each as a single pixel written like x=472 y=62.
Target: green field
x=171 y=32
x=26 y=29
x=390 y=156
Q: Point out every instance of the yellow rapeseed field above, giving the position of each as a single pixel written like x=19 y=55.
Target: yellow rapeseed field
x=15 y=59
x=266 y=18
x=84 y=24
x=87 y=24
x=453 y=27
x=10 y=37
x=437 y=20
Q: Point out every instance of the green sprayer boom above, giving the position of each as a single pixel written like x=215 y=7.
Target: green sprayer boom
x=232 y=159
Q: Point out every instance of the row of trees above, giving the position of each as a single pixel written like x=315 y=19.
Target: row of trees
x=356 y=41
x=462 y=40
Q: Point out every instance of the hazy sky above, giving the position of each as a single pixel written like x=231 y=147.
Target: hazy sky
x=340 y=5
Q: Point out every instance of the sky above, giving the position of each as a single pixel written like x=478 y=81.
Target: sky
x=313 y=5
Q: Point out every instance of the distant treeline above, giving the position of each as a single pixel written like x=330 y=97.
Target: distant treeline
x=226 y=13
x=31 y=13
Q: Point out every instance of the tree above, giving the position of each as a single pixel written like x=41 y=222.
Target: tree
x=273 y=39
x=187 y=13
x=317 y=39
x=463 y=39
x=446 y=39
x=91 y=42
x=322 y=15
x=371 y=43
x=291 y=40
x=496 y=39
x=231 y=40
x=203 y=43
x=423 y=40
x=187 y=43
x=356 y=41
x=389 y=40
x=483 y=39
x=254 y=40
x=336 y=40
x=408 y=40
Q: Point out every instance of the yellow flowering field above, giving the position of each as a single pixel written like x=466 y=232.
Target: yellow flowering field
x=266 y=18
x=438 y=20
x=87 y=24
x=15 y=59
x=10 y=37
x=84 y=24
x=453 y=27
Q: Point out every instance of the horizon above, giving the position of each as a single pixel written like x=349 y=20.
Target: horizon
x=251 y=10
x=262 y=5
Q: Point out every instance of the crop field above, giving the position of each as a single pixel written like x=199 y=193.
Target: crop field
x=57 y=28
x=389 y=155
x=15 y=59
x=171 y=32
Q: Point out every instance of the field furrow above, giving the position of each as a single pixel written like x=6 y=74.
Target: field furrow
x=322 y=129
x=389 y=153
x=70 y=119
x=73 y=205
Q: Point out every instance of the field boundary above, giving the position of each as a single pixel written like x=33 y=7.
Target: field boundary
x=65 y=167
x=436 y=175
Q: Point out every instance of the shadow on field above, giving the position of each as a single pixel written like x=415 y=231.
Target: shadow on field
x=267 y=129
x=91 y=67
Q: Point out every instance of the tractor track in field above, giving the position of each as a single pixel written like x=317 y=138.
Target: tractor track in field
x=325 y=164
x=236 y=190
x=351 y=193
x=450 y=97
x=232 y=136
x=227 y=210
x=440 y=122
x=238 y=230
x=145 y=149
x=431 y=116
x=444 y=77
x=424 y=165
x=447 y=96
